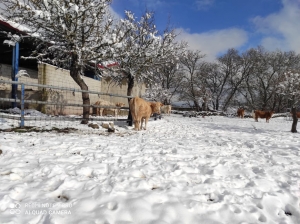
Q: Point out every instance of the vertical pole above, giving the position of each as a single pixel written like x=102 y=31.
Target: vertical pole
x=22 y=105
x=15 y=68
x=129 y=118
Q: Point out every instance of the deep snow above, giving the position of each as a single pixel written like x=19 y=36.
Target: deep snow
x=208 y=170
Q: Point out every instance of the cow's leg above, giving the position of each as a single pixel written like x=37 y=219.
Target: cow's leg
x=101 y=111
x=141 y=125
x=136 y=125
x=146 y=121
x=134 y=121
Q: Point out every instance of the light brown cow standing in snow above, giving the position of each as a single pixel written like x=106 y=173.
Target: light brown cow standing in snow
x=141 y=110
x=166 y=109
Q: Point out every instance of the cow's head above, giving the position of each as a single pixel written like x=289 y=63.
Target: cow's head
x=120 y=104
x=155 y=106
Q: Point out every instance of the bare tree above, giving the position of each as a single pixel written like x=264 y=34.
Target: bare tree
x=169 y=77
x=217 y=83
x=191 y=64
x=290 y=88
x=237 y=68
x=260 y=87
x=72 y=34
x=283 y=62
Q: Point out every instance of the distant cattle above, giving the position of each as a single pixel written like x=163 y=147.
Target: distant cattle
x=263 y=114
x=98 y=111
x=241 y=112
x=141 y=110
x=298 y=114
x=166 y=109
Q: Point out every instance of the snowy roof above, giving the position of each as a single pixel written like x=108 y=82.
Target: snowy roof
x=13 y=26
x=107 y=64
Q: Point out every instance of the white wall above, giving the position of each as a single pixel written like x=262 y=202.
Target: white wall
x=51 y=75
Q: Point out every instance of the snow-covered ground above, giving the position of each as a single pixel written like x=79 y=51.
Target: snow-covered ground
x=208 y=170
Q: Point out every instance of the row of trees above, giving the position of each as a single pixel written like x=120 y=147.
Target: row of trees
x=79 y=35
x=255 y=79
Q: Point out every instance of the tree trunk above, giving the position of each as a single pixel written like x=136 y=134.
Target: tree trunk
x=130 y=82
x=197 y=106
x=295 y=120
x=204 y=104
x=75 y=74
x=228 y=100
x=217 y=104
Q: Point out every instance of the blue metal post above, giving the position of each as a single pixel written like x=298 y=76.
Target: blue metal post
x=15 y=69
x=22 y=105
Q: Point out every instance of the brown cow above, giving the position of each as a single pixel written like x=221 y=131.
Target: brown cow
x=166 y=109
x=263 y=114
x=142 y=110
x=99 y=111
x=241 y=112
x=298 y=114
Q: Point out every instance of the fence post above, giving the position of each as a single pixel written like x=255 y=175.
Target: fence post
x=15 y=68
x=22 y=105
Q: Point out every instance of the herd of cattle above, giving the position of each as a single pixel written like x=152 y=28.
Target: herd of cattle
x=98 y=111
x=141 y=110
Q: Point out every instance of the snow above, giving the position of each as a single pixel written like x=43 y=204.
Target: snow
x=208 y=170
x=15 y=25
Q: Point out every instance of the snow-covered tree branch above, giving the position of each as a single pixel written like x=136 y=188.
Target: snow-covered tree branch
x=290 y=88
x=74 y=35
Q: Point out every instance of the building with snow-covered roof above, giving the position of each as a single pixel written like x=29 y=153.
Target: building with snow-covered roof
x=47 y=74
